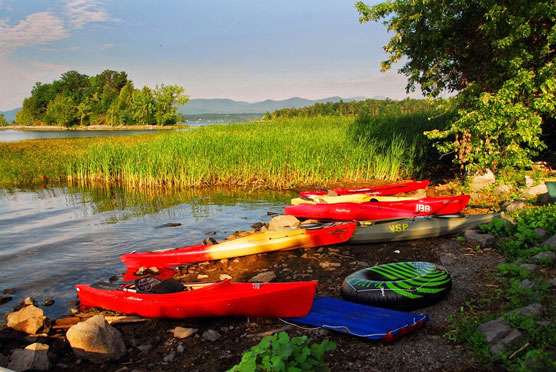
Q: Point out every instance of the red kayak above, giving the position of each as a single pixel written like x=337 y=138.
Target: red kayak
x=373 y=190
x=259 y=242
x=380 y=210
x=265 y=300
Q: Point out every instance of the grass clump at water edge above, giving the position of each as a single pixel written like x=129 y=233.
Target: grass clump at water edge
x=279 y=154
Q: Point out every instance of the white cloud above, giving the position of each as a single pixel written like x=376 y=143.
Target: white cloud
x=36 y=29
x=81 y=12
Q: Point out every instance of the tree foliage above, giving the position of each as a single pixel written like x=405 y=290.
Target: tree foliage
x=107 y=98
x=3 y=121
x=499 y=57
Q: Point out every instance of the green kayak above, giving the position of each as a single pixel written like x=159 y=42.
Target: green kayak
x=417 y=227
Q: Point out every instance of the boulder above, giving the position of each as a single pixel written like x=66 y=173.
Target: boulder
x=29 y=319
x=502 y=190
x=480 y=181
x=515 y=205
x=544 y=256
x=532 y=309
x=529 y=181
x=282 y=223
x=551 y=242
x=33 y=357
x=264 y=277
x=540 y=232
x=474 y=238
x=513 y=338
x=495 y=330
x=96 y=341
x=535 y=191
x=529 y=267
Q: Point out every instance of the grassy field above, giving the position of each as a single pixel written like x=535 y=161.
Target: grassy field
x=279 y=154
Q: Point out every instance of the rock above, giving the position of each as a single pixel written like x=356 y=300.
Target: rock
x=169 y=224
x=544 y=256
x=535 y=191
x=551 y=242
x=4 y=299
x=481 y=181
x=419 y=194
x=502 y=190
x=9 y=291
x=532 y=309
x=48 y=302
x=211 y=335
x=529 y=267
x=309 y=222
x=180 y=349
x=495 y=330
x=210 y=241
x=527 y=284
x=145 y=348
x=513 y=338
x=362 y=264
x=112 y=279
x=447 y=260
x=515 y=205
x=33 y=357
x=96 y=341
x=202 y=276
x=257 y=225
x=224 y=277
x=180 y=332
x=282 y=223
x=540 y=232
x=474 y=238
x=263 y=277
x=552 y=282
x=529 y=182
x=30 y=319
x=169 y=357
x=329 y=265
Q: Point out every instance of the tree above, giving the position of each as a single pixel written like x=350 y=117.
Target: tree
x=166 y=97
x=3 y=121
x=499 y=57
x=143 y=106
x=61 y=111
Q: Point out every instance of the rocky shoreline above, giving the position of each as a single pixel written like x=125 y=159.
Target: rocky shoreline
x=85 y=339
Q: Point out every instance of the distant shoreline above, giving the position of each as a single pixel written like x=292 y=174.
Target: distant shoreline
x=90 y=127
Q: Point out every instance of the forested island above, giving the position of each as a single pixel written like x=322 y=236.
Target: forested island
x=108 y=98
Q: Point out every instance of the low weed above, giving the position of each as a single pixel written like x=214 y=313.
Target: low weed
x=280 y=353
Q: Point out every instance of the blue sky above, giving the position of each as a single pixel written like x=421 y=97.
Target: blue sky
x=248 y=50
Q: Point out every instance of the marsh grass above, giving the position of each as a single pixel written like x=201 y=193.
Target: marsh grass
x=279 y=154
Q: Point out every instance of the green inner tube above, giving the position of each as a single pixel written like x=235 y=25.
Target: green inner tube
x=401 y=285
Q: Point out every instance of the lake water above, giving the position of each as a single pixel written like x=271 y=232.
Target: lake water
x=11 y=135
x=52 y=239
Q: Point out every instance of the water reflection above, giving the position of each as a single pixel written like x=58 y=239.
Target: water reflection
x=52 y=239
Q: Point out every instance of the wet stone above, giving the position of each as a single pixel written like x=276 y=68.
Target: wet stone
x=527 y=284
x=113 y=278
x=9 y=291
x=4 y=299
x=49 y=302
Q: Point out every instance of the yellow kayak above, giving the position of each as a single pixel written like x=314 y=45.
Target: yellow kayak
x=353 y=198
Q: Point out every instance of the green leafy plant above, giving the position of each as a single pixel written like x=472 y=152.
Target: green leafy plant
x=280 y=353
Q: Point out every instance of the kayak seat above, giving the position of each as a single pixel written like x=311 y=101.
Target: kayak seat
x=151 y=284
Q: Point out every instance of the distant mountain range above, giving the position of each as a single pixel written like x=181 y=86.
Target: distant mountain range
x=199 y=106
x=10 y=115
x=228 y=106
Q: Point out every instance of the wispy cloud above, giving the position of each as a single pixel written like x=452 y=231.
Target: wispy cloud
x=36 y=29
x=81 y=12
